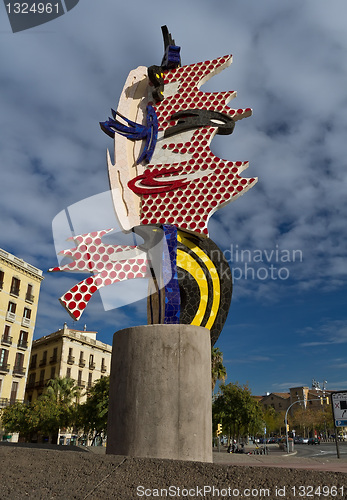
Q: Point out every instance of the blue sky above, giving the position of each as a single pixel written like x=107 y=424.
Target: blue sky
x=287 y=323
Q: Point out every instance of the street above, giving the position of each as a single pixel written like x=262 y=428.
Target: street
x=321 y=450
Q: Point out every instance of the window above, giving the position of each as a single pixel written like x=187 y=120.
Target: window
x=29 y=295
x=70 y=358
x=42 y=376
x=0 y=384
x=53 y=372
x=11 y=307
x=68 y=372
x=90 y=379
x=15 y=286
x=18 y=364
x=43 y=361
x=31 y=380
x=23 y=339
x=54 y=358
x=14 y=391
x=11 y=311
x=79 y=381
x=91 y=362
x=103 y=365
x=33 y=361
x=27 y=313
x=1 y=279
x=3 y=359
x=6 y=338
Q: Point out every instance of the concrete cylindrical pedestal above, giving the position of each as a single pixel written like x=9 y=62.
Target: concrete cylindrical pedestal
x=160 y=393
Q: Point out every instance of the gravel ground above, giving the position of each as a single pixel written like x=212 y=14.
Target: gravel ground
x=50 y=473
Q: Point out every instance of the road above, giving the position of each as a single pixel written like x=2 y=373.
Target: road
x=321 y=450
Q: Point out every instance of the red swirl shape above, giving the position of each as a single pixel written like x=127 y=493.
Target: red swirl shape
x=148 y=182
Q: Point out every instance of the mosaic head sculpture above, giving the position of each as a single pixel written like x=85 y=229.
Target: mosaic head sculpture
x=166 y=183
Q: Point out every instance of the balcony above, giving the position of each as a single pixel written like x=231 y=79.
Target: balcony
x=6 y=340
x=103 y=368
x=40 y=383
x=53 y=360
x=30 y=385
x=92 y=366
x=19 y=371
x=70 y=360
x=43 y=362
x=14 y=291
x=4 y=367
x=22 y=344
x=29 y=298
x=26 y=322
x=32 y=365
x=9 y=401
x=10 y=316
x=81 y=383
x=82 y=363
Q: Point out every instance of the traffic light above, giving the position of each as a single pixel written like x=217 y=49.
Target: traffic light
x=219 y=429
x=287 y=427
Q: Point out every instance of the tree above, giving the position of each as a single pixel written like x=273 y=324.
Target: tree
x=16 y=418
x=65 y=393
x=274 y=420
x=239 y=412
x=42 y=415
x=54 y=409
x=218 y=370
x=92 y=415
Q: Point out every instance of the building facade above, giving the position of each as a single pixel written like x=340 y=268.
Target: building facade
x=67 y=353
x=280 y=401
x=19 y=294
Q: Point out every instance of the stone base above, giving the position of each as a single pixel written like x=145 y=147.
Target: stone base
x=160 y=393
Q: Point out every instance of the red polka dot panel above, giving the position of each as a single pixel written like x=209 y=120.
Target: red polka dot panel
x=186 y=191
x=109 y=263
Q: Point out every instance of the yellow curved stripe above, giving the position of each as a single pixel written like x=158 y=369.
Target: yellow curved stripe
x=213 y=273
x=186 y=262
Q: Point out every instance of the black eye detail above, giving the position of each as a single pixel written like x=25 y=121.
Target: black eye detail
x=195 y=118
x=156 y=77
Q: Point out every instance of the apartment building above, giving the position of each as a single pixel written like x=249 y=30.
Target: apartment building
x=67 y=353
x=19 y=294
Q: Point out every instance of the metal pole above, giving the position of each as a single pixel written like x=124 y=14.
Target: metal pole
x=285 y=418
x=337 y=442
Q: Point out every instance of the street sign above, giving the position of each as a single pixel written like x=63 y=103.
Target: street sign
x=340 y=423
x=339 y=407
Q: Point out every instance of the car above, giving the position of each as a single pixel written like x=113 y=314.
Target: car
x=313 y=440
x=298 y=440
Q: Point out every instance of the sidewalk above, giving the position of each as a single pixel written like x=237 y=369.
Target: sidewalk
x=278 y=458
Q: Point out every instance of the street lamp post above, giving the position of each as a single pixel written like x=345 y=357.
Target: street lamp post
x=286 y=416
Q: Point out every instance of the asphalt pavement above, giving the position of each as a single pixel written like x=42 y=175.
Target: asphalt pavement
x=279 y=458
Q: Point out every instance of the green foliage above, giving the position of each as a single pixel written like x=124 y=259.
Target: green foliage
x=218 y=370
x=239 y=413
x=16 y=418
x=61 y=396
x=92 y=415
x=274 y=421
x=56 y=408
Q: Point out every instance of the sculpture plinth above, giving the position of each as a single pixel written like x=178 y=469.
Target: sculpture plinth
x=160 y=397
